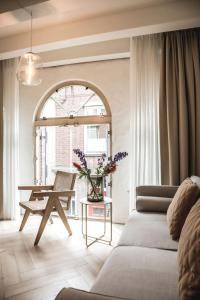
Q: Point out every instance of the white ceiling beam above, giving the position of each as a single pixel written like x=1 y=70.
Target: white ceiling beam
x=102 y=37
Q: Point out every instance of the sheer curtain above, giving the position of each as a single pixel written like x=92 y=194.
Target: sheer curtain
x=10 y=139
x=144 y=125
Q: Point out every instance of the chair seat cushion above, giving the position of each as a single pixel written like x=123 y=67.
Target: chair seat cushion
x=147 y=230
x=139 y=273
x=34 y=206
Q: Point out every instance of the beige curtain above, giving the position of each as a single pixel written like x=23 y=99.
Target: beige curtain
x=180 y=106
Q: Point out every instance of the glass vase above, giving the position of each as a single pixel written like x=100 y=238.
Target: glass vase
x=95 y=188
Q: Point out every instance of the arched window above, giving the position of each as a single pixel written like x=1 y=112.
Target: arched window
x=72 y=103
x=72 y=115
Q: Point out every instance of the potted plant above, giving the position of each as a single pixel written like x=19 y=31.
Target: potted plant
x=95 y=179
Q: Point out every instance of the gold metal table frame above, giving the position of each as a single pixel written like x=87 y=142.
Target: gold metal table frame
x=84 y=208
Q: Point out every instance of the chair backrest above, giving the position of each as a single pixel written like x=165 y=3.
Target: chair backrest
x=64 y=181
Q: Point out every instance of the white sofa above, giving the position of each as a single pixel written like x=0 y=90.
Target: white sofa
x=143 y=266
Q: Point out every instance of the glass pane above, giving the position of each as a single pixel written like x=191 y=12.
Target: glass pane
x=95 y=141
x=75 y=100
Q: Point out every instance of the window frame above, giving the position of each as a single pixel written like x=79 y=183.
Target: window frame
x=69 y=121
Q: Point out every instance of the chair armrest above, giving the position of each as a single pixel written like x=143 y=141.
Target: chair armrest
x=75 y=294
x=54 y=193
x=35 y=187
x=167 y=191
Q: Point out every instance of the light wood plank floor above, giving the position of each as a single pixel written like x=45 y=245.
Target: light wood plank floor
x=30 y=273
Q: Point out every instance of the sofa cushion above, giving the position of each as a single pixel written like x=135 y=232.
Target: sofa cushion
x=139 y=274
x=180 y=206
x=75 y=294
x=188 y=256
x=147 y=230
x=196 y=179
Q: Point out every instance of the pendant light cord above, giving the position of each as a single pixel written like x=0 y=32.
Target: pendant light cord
x=31 y=29
x=30 y=13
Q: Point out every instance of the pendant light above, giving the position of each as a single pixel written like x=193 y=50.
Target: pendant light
x=28 y=71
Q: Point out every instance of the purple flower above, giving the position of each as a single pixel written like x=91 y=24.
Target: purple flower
x=103 y=168
x=119 y=156
x=81 y=156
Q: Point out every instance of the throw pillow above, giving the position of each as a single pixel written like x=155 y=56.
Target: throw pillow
x=189 y=256
x=180 y=206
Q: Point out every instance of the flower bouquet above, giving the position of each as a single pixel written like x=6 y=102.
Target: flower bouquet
x=95 y=180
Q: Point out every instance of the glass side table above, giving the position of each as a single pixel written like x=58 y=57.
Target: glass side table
x=84 y=219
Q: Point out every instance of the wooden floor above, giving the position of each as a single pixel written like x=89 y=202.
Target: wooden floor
x=30 y=273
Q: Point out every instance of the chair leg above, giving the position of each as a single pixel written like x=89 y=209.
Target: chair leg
x=62 y=216
x=43 y=223
x=25 y=218
x=50 y=217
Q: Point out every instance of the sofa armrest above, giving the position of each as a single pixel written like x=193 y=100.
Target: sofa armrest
x=75 y=294
x=166 y=191
x=152 y=204
x=154 y=198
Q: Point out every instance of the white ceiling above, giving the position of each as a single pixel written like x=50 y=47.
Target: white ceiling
x=15 y=20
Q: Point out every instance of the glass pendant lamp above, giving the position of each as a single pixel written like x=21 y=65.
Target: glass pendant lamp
x=28 y=71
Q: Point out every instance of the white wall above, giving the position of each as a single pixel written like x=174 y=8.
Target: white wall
x=112 y=78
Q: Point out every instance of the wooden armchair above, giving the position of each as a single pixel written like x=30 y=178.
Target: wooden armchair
x=45 y=199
